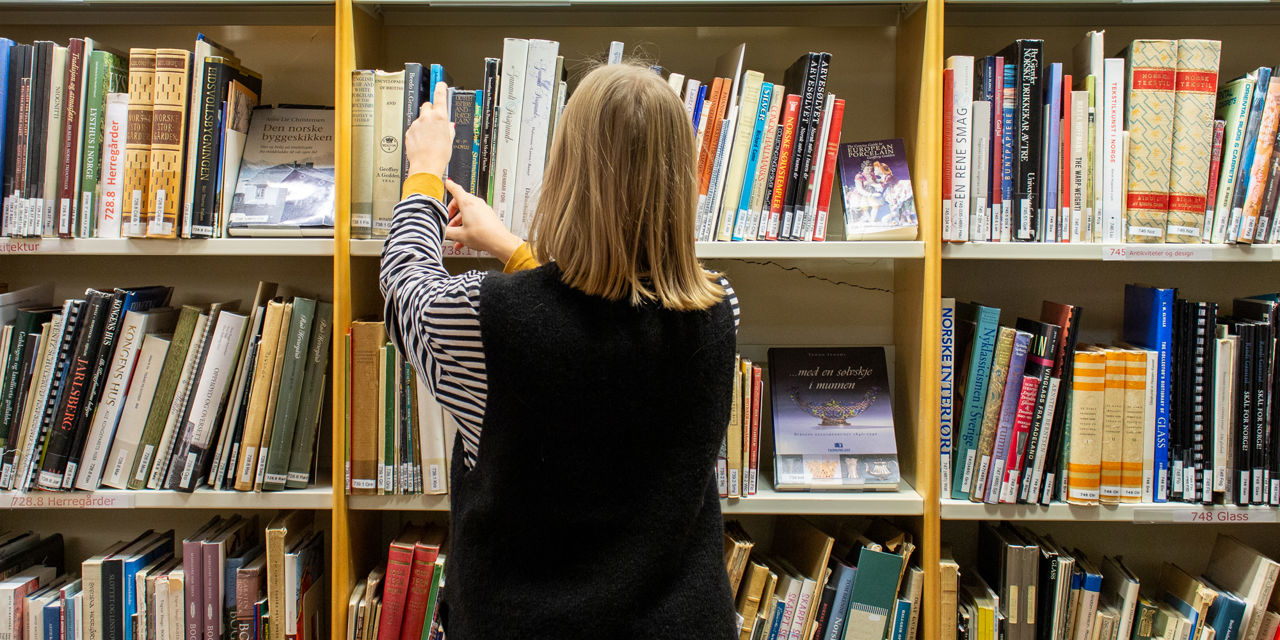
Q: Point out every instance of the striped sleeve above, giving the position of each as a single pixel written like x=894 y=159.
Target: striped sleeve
x=433 y=317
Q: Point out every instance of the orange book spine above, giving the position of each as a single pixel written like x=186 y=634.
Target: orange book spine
x=708 y=151
x=1084 y=462
x=1135 y=405
x=1112 y=427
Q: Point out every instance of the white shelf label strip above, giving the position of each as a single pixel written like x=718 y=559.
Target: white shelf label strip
x=1206 y=516
x=1157 y=252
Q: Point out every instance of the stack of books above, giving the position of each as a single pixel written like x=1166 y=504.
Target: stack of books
x=223 y=581
x=1082 y=597
x=103 y=144
x=400 y=438
x=766 y=158
x=860 y=582
x=1133 y=148
x=401 y=599
x=1180 y=410
x=118 y=389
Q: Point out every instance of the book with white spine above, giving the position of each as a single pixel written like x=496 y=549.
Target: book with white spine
x=535 y=121
x=716 y=193
x=691 y=88
x=133 y=417
x=431 y=438
x=1113 y=152
x=815 y=175
x=135 y=326
x=53 y=154
x=961 y=144
x=1078 y=164
x=980 y=185
x=738 y=153
x=111 y=205
x=515 y=53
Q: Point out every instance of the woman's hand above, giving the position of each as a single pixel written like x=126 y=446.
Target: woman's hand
x=473 y=223
x=428 y=143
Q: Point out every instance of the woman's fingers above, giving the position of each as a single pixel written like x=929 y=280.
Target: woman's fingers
x=441 y=97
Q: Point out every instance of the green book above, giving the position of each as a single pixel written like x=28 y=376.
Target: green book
x=437 y=578
x=287 y=400
x=311 y=399
x=107 y=73
x=874 y=593
x=985 y=323
x=166 y=386
x=390 y=427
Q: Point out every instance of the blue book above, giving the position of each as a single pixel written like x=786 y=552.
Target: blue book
x=53 y=620
x=985 y=321
x=777 y=620
x=1225 y=614
x=1246 y=150
x=698 y=103
x=6 y=45
x=1008 y=413
x=901 y=616
x=1053 y=126
x=844 y=575
x=157 y=546
x=740 y=230
x=1148 y=323
x=993 y=70
x=1006 y=156
x=69 y=615
x=437 y=75
x=231 y=566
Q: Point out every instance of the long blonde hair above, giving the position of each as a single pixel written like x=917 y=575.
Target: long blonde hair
x=616 y=211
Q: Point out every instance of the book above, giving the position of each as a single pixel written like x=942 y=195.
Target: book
x=285 y=185
x=295 y=354
x=367 y=339
x=1151 y=67
x=1195 y=88
x=170 y=106
x=876 y=190
x=535 y=122
x=812 y=446
x=1233 y=104
x=137 y=149
x=983 y=321
x=1148 y=323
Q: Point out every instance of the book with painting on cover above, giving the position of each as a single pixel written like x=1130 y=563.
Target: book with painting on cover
x=876 y=184
x=832 y=419
x=286 y=181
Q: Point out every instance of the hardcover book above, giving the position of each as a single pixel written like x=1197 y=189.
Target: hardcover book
x=1151 y=66
x=286 y=181
x=832 y=419
x=1195 y=86
x=876 y=184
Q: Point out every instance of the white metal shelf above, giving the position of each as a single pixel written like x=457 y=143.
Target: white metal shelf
x=1169 y=512
x=266 y=247
x=318 y=497
x=1107 y=252
x=904 y=502
x=759 y=250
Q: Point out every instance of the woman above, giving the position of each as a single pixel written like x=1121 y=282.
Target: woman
x=592 y=392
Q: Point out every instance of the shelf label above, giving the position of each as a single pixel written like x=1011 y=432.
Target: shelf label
x=1157 y=252
x=1207 y=516
x=20 y=245
x=65 y=501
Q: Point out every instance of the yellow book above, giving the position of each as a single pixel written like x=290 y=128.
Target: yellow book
x=735 y=432
x=991 y=411
x=1112 y=426
x=1084 y=455
x=282 y=534
x=269 y=412
x=1135 y=412
x=749 y=596
x=258 y=392
x=137 y=143
x=168 y=141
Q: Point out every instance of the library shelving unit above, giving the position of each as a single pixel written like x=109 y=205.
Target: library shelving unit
x=292 y=45
x=1017 y=276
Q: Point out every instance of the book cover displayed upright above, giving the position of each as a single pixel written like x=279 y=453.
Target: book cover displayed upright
x=876 y=185
x=832 y=419
x=286 y=181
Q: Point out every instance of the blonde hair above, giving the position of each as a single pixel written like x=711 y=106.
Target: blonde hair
x=616 y=211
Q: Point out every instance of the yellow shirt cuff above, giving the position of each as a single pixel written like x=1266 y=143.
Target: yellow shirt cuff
x=425 y=183
x=521 y=260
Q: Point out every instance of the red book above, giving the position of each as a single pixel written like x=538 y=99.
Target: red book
x=1211 y=192
x=1018 y=438
x=425 y=552
x=396 y=585
x=947 y=87
x=828 y=170
x=1065 y=227
x=70 y=136
x=719 y=103
x=790 y=115
x=757 y=390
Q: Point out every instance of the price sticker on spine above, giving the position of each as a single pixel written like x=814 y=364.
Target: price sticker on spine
x=65 y=501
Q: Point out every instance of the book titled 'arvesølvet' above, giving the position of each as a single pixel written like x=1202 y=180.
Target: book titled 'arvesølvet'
x=285 y=186
x=832 y=419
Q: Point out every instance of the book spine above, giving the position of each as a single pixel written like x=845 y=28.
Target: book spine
x=786 y=151
x=1084 y=466
x=742 y=229
x=1028 y=134
x=166 y=387
x=948 y=151
x=535 y=120
x=69 y=134
x=1260 y=164
x=828 y=170
x=1234 y=102
x=97 y=380
x=362 y=152
x=1068 y=227
x=111 y=403
x=995 y=73
x=137 y=150
x=1150 y=83
x=193 y=589
x=1039 y=364
x=961 y=146
x=312 y=399
x=414 y=82
x=991 y=411
x=1079 y=167
x=1195 y=87
x=395 y=591
x=51 y=137
x=388 y=113
x=111 y=207
x=946 y=378
x=1215 y=168
x=1009 y=404
x=168 y=141
x=63 y=431
x=1049 y=160
x=201 y=202
x=1113 y=177
x=980 y=162
x=811 y=142
x=979 y=372
x=104 y=76
x=113 y=614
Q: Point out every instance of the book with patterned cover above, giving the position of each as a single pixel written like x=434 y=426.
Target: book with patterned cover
x=1135 y=412
x=137 y=146
x=1195 y=92
x=1148 y=118
x=1084 y=455
x=168 y=138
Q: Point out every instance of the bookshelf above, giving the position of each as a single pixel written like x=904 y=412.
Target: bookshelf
x=1017 y=276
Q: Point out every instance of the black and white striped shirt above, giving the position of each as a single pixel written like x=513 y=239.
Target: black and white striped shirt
x=433 y=318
